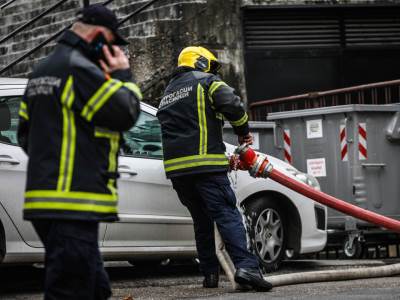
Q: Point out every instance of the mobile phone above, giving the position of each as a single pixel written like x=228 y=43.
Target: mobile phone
x=97 y=47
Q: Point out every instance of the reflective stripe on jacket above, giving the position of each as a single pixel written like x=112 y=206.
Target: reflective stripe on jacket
x=71 y=118
x=191 y=114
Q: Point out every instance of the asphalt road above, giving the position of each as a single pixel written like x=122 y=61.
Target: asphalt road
x=179 y=281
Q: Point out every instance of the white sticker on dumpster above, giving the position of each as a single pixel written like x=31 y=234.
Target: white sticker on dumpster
x=316 y=167
x=314 y=129
x=256 y=141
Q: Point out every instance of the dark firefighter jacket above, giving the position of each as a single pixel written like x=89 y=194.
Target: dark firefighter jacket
x=71 y=116
x=191 y=114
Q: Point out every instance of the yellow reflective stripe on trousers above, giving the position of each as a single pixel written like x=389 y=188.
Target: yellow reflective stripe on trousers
x=70 y=206
x=23 y=111
x=69 y=195
x=201 y=111
x=99 y=98
x=112 y=157
x=241 y=121
x=134 y=88
x=195 y=161
x=213 y=87
x=68 y=145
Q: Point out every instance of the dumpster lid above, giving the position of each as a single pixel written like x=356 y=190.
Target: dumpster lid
x=256 y=125
x=334 y=110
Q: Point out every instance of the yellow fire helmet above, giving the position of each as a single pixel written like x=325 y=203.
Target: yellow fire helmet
x=199 y=58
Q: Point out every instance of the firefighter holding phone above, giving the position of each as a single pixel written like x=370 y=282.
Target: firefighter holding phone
x=77 y=102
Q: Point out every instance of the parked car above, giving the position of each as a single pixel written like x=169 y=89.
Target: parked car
x=153 y=223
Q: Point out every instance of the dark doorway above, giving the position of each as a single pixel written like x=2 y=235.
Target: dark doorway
x=294 y=50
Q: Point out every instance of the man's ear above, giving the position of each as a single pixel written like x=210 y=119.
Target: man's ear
x=92 y=34
x=108 y=35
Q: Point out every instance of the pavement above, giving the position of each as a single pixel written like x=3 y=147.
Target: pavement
x=182 y=281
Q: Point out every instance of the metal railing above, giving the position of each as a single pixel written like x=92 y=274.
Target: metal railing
x=33 y=20
x=57 y=34
x=135 y=12
x=7 y=4
x=375 y=93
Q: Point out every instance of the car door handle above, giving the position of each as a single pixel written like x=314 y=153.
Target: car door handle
x=126 y=170
x=9 y=160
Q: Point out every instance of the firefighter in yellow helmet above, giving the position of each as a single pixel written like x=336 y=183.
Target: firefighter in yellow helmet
x=191 y=113
x=199 y=58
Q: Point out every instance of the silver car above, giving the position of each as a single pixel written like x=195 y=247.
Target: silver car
x=153 y=223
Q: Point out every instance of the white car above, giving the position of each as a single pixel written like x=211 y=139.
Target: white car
x=153 y=223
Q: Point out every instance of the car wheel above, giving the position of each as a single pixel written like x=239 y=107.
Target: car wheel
x=267 y=230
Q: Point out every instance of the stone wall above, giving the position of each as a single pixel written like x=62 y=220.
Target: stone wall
x=18 y=14
x=157 y=35
x=215 y=24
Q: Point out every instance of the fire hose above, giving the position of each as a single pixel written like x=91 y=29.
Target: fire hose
x=258 y=166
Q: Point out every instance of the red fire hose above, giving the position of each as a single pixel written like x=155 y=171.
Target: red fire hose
x=258 y=166
x=340 y=205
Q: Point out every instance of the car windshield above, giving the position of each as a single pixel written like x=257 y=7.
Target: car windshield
x=144 y=139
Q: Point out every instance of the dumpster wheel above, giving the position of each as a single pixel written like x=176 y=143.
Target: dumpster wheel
x=353 y=250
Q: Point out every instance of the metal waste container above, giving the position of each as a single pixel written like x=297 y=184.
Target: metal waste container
x=353 y=150
x=263 y=133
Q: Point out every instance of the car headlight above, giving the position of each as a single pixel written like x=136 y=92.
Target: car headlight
x=305 y=178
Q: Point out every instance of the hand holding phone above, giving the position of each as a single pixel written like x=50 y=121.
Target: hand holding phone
x=116 y=61
x=97 y=45
x=110 y=57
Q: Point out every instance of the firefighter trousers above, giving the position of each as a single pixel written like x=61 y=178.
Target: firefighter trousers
x=210 y=198
x=73 y=264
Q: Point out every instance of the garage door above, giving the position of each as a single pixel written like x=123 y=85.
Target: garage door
x=290 y=51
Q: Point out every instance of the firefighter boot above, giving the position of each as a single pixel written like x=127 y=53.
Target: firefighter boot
x=252 y=277
x=211 y=280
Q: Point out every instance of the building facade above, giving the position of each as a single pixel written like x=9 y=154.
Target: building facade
x=269 y=48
